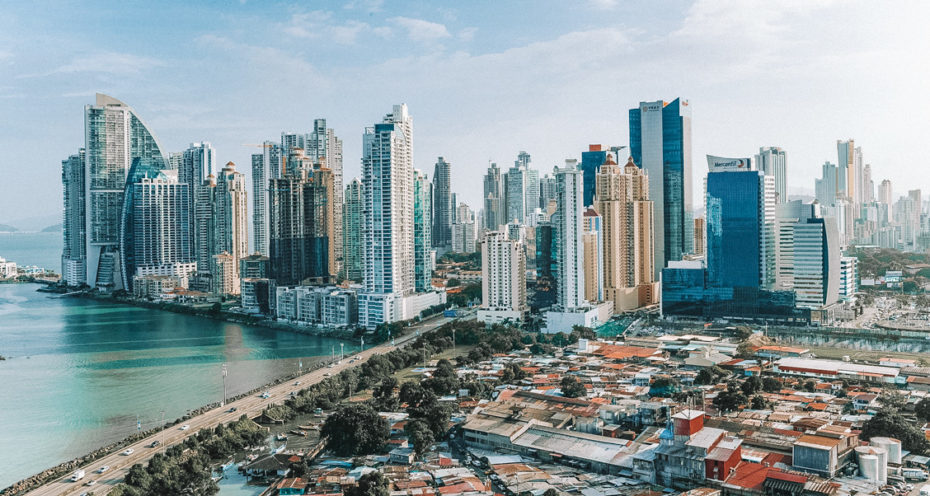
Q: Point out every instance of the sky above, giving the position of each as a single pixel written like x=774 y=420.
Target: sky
x=483 y=80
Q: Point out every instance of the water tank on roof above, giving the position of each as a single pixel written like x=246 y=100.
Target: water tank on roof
x=891 y=445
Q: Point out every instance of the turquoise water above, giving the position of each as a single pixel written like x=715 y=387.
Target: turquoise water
x=40 y=249
x=80 y=373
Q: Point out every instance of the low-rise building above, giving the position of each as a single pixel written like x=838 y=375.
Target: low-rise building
x=317 y=305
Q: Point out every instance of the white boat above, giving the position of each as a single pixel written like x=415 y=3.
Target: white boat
x=278 y=449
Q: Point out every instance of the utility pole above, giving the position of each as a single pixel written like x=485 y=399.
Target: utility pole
x=225 y=373
x=342 y=351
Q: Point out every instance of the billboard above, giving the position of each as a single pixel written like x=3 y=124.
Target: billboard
x=724 y=164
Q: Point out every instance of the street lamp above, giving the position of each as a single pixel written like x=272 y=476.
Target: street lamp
x=225 y=373
x=342 y=352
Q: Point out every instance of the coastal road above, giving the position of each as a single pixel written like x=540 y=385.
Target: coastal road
x=252 y=406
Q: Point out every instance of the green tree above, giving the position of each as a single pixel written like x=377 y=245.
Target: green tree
x=759 y=403
x=771 y=385
x=751 y=386
x=572 y=387
x=730 y=400
x=355 y=429
x=370 y=484
x=809 y=386
x=922 y=409
x=420 y=434
x=663 y=387
x=890 y=422
x=384 y=398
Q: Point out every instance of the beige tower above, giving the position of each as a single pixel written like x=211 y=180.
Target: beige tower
x=621 y=197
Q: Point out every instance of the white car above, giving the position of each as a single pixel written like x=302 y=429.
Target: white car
x=128 y=452
x=297 y=383
x=103 y=469
x=90 y=483
x=185 y=427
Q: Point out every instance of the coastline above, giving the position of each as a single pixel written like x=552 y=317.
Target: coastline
x=34 y=481
x=222 y=315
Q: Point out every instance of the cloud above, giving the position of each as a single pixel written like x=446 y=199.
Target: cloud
x=467 y=34
x=421 y=30
x=369 y=6
x=320 y=25
x=110 y=63
x=604 y=4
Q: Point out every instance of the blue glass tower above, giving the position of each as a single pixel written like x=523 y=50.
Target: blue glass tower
x=734 y=236
x=660 y=143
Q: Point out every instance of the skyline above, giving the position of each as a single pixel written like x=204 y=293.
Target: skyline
x=529 y=94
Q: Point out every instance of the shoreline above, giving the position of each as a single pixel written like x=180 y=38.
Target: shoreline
x=39 y=479
x=222 y=315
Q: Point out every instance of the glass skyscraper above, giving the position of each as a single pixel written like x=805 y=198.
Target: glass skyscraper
x=660 y=143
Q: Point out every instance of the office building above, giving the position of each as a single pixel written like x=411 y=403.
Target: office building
x=203 y=225
x=547 y=191
x=265 y=166
x=699 y=233
x=849 y=168
x=660 y=144
x=493 y=199
x=442 y=212
x=503 y=279
x=826 y=187
x=849 y=278
x=771 y=161
x=116 y=139
x=73 y=254
x=885 y=200
x=422 y=232
x=741 y=228
x=622 y=200
x=808 y=259
x=197 y=167
x=353 y=252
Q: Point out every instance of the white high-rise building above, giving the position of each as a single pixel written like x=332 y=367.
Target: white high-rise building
x=569 y=230
x=387 y=179
x=503 y=278
x=849 y=277
x=771 y=161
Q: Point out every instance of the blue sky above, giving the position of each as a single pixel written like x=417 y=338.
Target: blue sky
x=483 y=79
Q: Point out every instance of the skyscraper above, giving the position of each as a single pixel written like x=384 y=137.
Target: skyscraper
x=352 y=231
x=387 y=180
x=827 y=187
x=464 y=230
x=569 y=230
x=849 y=160
x=591 y=162
x=808 y=254
x=547 y=190
x=73 y=254
x=503 y=278
x=155 y=236
x=442 y=213
x=741 y=229
x=197 y=164
x=622 y=199
x=323 y=146
x=301 y=224
x=422 y=227
x=660 y=144
x=116 y=139
x=265 y=166
x=771 y=161
x=231 y=224
x=493 y=209
x=521 y=189
x=593 y=247
x=204 y=224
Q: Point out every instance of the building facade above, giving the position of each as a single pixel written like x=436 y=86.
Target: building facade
x=352 y=231
x=660 y=144
x=503 y=279
x=771 y=161
x=422 y=232
x=442 y=214
x=73 y=253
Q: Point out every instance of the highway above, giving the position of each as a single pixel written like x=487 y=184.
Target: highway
x=250 y=405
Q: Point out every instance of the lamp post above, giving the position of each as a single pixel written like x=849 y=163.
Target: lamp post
x=225 y=373
x=342 y=352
